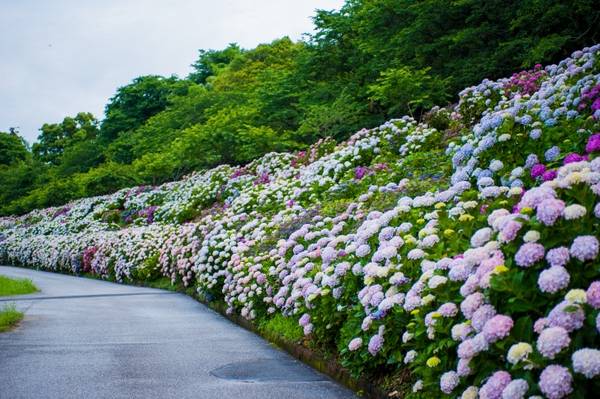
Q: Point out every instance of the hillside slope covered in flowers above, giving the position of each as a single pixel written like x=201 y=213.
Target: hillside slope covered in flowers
x=464 y=248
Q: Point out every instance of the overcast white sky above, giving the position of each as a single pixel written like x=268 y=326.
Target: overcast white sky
x=61 y=57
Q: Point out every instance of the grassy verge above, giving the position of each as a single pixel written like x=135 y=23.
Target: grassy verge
x=20 y=286
x=9 y=316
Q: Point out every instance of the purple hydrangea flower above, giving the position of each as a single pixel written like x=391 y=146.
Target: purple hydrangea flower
x=449 y=381
x=538 y=170
x=571 y=158
x=498 y=327
x=552 y=341
x=529 y=253
x=558 y=256
x=593 y=143
x=550 y=175
x=570 y=321
x=549 y=210
x=593 y=295
x=587 y=362
x=585 y=248
x=555 y=382
x=494 y=386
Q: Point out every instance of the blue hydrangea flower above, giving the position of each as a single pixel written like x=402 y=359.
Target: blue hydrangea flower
x=552 y=154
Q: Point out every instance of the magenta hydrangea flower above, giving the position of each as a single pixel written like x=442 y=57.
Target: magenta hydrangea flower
x=497 y=328
x=571 y=158
x=449 y=381
x=593 y=144
x=552 y=341
x=494 y=386
x=587 y=362
x=481 y=316
x=585 y=248
x=554 y=279
x=558 y=256
x=516 y=389
x=549 y=210
x=538 y=170
x=593 y=295
x=555 y=382
x=549 y=175
x=529 y=253
x=570 y=321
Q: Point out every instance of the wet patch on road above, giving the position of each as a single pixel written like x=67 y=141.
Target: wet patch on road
x=268 y=370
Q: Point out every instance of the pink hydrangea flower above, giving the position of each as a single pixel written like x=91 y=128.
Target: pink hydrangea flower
x=554 y=279
x=552 y=341
x=593 y=295
x=494 y=386
x=529 y=253
x=498 y=327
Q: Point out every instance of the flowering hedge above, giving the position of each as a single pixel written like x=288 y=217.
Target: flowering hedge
x=472 y=261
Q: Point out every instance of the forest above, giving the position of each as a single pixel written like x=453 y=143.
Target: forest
x=366 y=63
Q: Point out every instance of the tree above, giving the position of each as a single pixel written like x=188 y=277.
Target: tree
x=12 y=148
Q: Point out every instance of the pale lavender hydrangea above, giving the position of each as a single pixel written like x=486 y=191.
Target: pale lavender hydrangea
x=587 y=362
x=448 y=309
x=471 y=304
x=304 y=320
x=449 y=381
x=469 y=286
x=481 y=316
x=461 y=331
x=529 y=253
x=516 y=389
x=533 y=197
x=463 y=369
x=555 y=382
x=597 y=210
x=509 y=232
x=494 y=386
x=552 y=341
x=375 y=344
x=355 y=344
x=584 y=248
x=531 y=161
x=498 y=327
x=558 y=256
x=593 y=295
x=481 y=237
x=570 y=321
x=554 y=279
x=415 y=254
x=363 y=251
x=549 y=210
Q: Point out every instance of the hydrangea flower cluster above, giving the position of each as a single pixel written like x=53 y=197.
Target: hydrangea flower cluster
x=485 y=287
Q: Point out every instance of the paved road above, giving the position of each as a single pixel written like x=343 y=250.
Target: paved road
x=84 y=338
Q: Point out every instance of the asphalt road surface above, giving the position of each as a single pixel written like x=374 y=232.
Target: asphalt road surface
x=83 y=338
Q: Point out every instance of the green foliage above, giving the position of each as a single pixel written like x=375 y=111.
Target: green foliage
x=286 y=327
x=370 y=61
x=19 y=286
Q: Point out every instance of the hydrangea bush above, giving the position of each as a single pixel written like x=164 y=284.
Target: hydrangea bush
x=465 y=249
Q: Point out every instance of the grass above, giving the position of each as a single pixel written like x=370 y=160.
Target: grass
x=20 y=286
x=9 y=316
x=287 y=327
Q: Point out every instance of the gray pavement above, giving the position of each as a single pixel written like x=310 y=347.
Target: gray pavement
x=83 y=338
